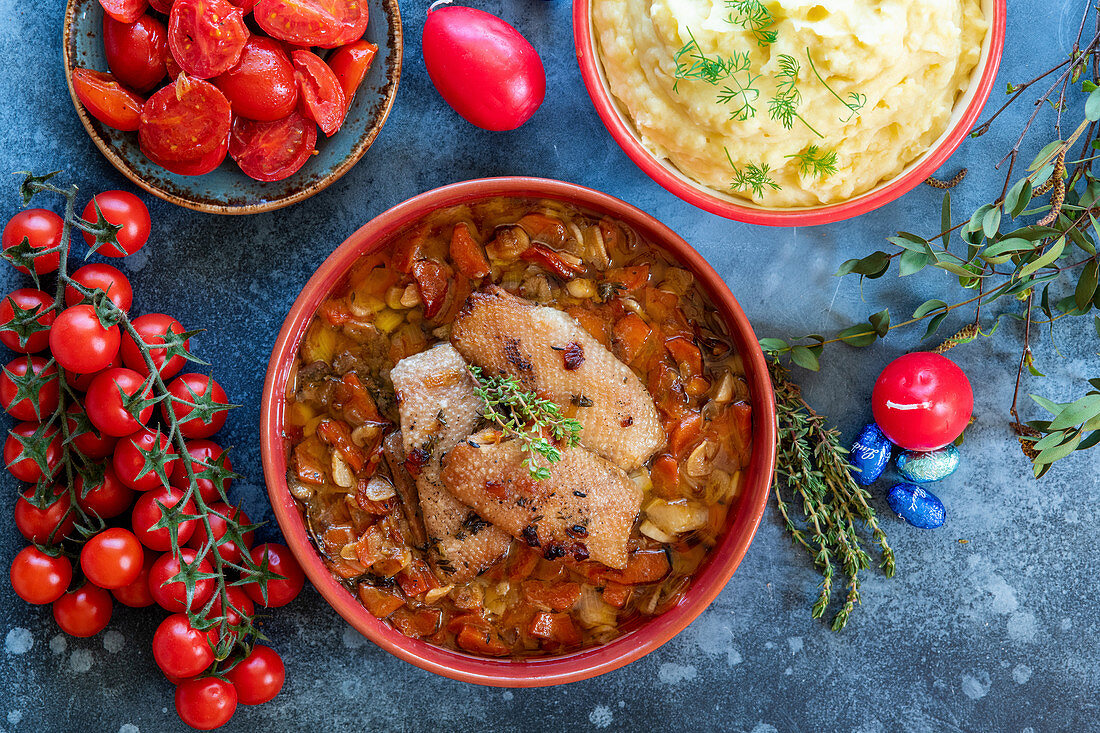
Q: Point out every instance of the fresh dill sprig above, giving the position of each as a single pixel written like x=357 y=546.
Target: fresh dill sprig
x=527 y=418
x=752 y=176
x=855 y=102
x=784 y=105
x=692 y=63
x=742 y=92
x=815 y=161
x=753 y=16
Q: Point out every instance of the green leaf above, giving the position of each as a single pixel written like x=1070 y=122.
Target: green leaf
x=911 y=262
x=1090 y=442
x=927 y=307
x=1053 y=253
x=1092 y=106
x=1096 y=322
x=859 y=336
x=1052 y=407
x=1050 y=455
x=991 y=222
x=881 y=322
x=909 y=241
x=803 y=357
x=1003 y=249
x=1018 y=197
x=1044 y=155
x=1086 y=287
x=975 y=223
x=1077 y=412
x=945 y=219
x=933 y=325
x=872 y=266
x=773 y=345
x=953 y=268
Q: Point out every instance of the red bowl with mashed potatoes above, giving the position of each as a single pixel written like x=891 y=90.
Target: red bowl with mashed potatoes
x=963 y=116
x=639 y=639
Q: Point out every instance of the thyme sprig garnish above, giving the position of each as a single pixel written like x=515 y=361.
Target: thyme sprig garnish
x=751 y=177
x=855 y=101
x=238 y=630
x=753 y=16
x=813 y=469
x=528 y=418
x=1031 y=252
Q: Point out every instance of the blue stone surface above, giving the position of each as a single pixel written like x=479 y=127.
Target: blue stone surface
x=928 y=466
x=916 y=505
x=870 y=454
x=995 y=634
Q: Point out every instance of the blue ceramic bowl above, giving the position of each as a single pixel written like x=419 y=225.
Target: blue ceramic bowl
x=227 y=190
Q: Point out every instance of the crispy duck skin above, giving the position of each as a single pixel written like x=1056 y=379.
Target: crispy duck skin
x=585 y=509
x=439 y=408
x=549 y=353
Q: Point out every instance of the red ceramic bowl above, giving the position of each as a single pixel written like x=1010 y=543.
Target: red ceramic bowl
x=963 y=119
x=713 y=574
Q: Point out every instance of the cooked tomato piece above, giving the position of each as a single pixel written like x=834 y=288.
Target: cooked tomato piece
x=195 y=167
x=406 y=251
x=381 y=603
x=357 y=401
x=592 y=322
x=322 y=97
x=207 y=37
x=687 y=355
x=522 y=561
x=417 y=578
x=351 y=63
x=629 y=337
x=312 y=22
x=616 y=594
x=556 y=596
x=161 y=6
x=136 y=51
x=185 y=122
x=631 y=278
x=272 y=151
x=433 y=279
x=685 y=434
x=665 y=475
x=481 y=641
x=337 y=434
x=108 y=101
x=466 y=252
x=416 y=623
x=543 y=228
x=124 y=11
x=547 y=258
x=555 y=627
x=261 y=86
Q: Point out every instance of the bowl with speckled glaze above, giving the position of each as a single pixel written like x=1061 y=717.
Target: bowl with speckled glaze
x=227 y=190
x=637 y=640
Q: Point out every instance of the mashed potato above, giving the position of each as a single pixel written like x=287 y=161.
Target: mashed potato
x=896 y=67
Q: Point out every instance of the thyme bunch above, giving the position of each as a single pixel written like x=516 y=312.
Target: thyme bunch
x=238 y=630
x=813 y=469
x=528 y=418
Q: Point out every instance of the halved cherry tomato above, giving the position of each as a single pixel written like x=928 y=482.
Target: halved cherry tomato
x=27 y=331
x=108 y=101
x=351 y=63
x=124 y=11
x=162 y=6
x=196 y=167
x=312 y=22
x=261 y=86
x=184 y=122
x=136 y=51
x=322 y=96
x=41 y=229
x=272 y=151
x=206 y=36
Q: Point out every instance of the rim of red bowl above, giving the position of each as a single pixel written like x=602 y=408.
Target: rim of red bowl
x=697 y=194
x=716 y=570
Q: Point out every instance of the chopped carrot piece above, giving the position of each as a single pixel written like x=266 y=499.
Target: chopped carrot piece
x=381 y=603
x=666 y=477
x=644 y=566
x=416 y=624
x=555 y=597
x=629 y=337
x=481 y=641
x=336 y=537
x=555 y=627
x=417 y=578
x=476 y=620
x=631 y=278
x=616 y=594
x=687 y=355
x=406 y=250
x=355 y=398
x=306 y=466
x=337 y=434
x=433 y=278
x=697 y=386
x=466 y=253
x=543 y=228
x=521 y=562
x=685 y=434
x=590 y=321
x=547 y=258
x=660 y=303
x=346 y=569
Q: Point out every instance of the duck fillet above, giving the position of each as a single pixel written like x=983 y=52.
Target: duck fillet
x=438 y=409
x=549 y=353
x=585 y=509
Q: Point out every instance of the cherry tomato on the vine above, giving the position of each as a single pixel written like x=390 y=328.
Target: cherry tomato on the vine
x=208 y=452
x=136 y=51
x=190 y=387
x=181 y=650
x=103 y=402
x=85 y=437
x=83 y=612
x=107 y=499
x=205 y=703
x=217 y=516
x=123 y=209
x=112 y=558
x=153 y=328
x=282 y=562
x=136 y=594
x=37 y=395
x=922 y=401
x=27 y=468
x=107 y=100
x=146 y=513
x=130 y=459
x=239 y=603
x=110 y=280
x=38 y=524
x=27 y=331
x=172 y=596
x=80 y=343
x=42 y=230
x=39 y=578
x=82 y=382
x=259 y=676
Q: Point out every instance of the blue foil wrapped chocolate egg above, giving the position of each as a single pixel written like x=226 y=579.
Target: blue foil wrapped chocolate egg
x=931 y=466
x=870 y=454
x=917 y=506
